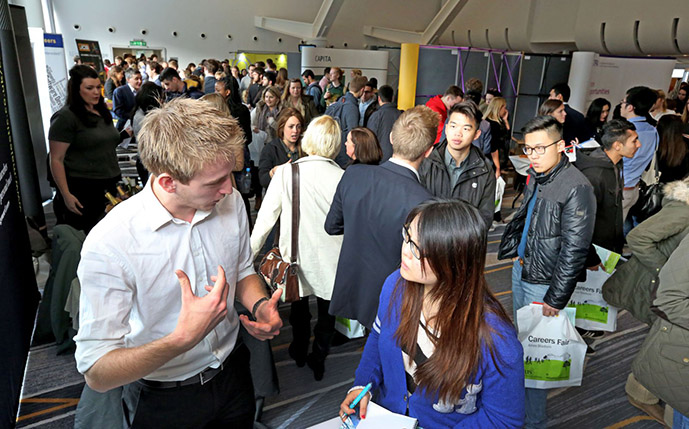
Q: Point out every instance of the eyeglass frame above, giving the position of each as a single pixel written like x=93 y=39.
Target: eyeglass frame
x=406 y=239
x=528 y=150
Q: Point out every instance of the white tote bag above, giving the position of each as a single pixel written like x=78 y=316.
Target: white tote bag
x=499 y=192
x=349 y=328
x=592 y=311
x=554 y=351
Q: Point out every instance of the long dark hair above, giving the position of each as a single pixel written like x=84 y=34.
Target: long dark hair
x=148 y=97
x=672 y=148
x=594 y=112
x=452 y=239
x=76 y=104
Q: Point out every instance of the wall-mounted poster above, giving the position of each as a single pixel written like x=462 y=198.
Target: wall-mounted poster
x=90 y=54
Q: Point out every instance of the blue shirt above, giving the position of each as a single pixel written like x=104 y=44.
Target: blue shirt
x=527 y=222
x=634 y=167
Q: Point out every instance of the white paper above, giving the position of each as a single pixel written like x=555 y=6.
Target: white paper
x=376 y=417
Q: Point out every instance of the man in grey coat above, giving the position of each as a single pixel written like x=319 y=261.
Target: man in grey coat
x=382 y=120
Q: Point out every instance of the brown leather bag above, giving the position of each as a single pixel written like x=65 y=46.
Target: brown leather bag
x=277 y=272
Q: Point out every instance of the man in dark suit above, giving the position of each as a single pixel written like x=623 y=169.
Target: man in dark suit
x=123 y=99
x=575 y=123
x=382 y=120
x=371 y=204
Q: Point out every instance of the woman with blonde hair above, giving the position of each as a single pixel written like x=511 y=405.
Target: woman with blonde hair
x=319 y=252
x=496 y=114
x=294 y=96
x=660 y=109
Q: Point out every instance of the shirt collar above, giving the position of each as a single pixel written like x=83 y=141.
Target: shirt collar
x=405 y=165
x=131 y=88
x=450 y=161
x=158 y=216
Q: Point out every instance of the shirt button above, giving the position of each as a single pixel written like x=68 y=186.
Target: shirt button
x=685 y=360
x=664 y=328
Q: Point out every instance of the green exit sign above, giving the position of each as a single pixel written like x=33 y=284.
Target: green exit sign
x=137 y=43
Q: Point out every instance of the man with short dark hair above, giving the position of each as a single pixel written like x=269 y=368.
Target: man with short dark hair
x=370 y=207
x=313 y=89
x=174 y=87
x=635 y=108
x=549 y=236
x=210 y=67
x=382 y=120
x=575 y=123
x=255 y=89
x=368 y=102
x=456 y=168
x=603 y=169
x=441 y=104
x=123 y=98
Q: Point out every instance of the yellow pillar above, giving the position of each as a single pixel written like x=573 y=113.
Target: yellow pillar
x=409 y=66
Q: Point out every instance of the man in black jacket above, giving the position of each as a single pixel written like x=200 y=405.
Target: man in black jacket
x=575 y=123
x=382 y=120
x=603 y=170
x=549 y=236
x=456 y=168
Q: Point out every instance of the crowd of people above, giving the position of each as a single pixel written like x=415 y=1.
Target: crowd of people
x=393 y=209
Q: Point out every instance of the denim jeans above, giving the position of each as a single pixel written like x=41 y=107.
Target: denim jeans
x=679 y=421
x=523 y=294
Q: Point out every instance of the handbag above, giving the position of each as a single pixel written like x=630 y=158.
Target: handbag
x=650 y=193
x=275 y=270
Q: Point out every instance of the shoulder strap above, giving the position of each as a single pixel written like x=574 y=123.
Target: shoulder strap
x=295 y=211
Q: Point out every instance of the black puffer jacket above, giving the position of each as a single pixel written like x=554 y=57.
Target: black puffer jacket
x=559 y=234
x=607 y=184
x=476 y=184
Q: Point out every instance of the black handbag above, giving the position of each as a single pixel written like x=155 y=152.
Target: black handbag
x=650 y=195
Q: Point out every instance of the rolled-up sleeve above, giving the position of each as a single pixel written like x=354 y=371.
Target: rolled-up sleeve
x=105 y=303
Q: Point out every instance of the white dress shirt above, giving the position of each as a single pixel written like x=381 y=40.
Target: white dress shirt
x=406 y=165
x=130 y=294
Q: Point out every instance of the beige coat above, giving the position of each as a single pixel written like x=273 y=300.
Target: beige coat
x=318 y=251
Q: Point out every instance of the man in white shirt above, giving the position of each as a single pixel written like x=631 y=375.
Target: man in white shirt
x=175 y=350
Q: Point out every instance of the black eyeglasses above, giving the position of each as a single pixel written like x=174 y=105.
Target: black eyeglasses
x=413 y=247
x=538 y=149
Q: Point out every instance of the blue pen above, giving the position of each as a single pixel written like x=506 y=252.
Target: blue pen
x=361 y=395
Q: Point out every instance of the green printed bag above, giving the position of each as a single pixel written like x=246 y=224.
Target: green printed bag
x=593 y=312
x=554 y=351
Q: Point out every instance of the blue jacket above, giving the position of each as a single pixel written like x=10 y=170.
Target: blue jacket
x=369 y=207
x=349 y=119
x=497 y=392
x=123 y=102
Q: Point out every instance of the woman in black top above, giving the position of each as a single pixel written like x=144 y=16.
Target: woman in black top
x=83 y=161
x=285 y=148
x=115 y=76
x=596 y=116
x=673 y=151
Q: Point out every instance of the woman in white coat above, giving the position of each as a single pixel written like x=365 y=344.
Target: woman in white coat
x=319 y=252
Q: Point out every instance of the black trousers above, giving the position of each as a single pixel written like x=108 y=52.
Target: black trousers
x=91 y=195
x=226 y=401
x=300 y=319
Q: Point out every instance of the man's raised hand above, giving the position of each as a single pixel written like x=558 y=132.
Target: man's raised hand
x=199 y=315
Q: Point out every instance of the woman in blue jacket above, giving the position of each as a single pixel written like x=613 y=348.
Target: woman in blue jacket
x=442 y=348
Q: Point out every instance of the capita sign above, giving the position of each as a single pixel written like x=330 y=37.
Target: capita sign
x=371 y=63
